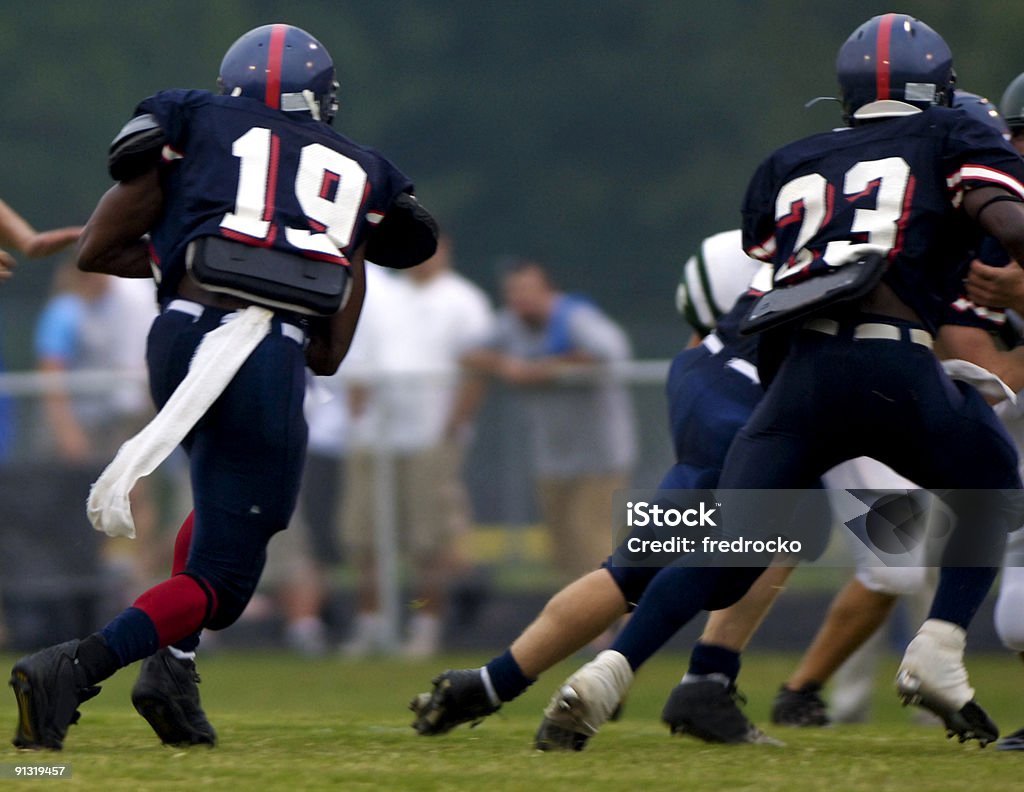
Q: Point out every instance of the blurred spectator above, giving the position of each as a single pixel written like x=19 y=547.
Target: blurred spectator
x=299 y=559
x=85 y=326
x=557 y=348
x=16 y=233
x=96 y=322
x=411 y=400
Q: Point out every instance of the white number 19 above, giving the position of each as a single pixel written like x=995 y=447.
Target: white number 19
x=329 y=187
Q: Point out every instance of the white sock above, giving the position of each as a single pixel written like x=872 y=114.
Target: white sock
x=689 y=678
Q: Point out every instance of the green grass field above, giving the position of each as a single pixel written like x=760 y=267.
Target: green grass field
x=298 y=725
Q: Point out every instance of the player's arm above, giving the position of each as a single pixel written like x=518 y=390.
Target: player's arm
x=976 y=345
x=113 y=240
x=331 y=336
x=1001 y=214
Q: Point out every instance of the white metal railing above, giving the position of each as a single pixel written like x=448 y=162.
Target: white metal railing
x=31 y=385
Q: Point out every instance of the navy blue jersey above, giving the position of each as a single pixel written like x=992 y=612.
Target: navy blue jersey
x=234 y=167
x=890 y=186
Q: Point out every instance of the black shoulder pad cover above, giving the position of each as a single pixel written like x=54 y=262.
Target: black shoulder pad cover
x=136 y=148
x=407 y=235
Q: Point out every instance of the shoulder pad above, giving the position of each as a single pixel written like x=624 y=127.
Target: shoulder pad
x=136 y=148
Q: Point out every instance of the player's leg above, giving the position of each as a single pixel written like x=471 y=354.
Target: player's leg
x=246 y=458
x=569 y=621
x=1009 y=616
x=678 y=593
x=704 y=703
x=973 y=462
x=49 y=685
x=168 y=679
x=855 y=614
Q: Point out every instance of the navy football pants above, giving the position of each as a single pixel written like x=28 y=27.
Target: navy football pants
x=836 y=398
x=709 y=401
x=245 y=455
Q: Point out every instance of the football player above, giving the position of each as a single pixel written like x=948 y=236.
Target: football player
x=864 y=603
x=849 y=359
x=712 y=389
x=257 y=217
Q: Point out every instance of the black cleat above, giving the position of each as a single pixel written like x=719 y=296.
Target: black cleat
x=458 y=697
x=969 y=722
x=709 y=711
x=803 y=707
x=48 y=691
x=1012 y=742
x=166 y=694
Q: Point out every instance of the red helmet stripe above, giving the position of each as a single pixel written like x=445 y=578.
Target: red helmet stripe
x=274 y=57
x=882 y=55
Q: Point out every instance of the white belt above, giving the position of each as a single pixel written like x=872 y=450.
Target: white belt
x=195 y=310
x=874 y=331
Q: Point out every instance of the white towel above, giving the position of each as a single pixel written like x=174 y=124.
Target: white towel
x=215 y=363
x=987 y=383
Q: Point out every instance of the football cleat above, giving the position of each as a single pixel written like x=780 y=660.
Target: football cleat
x=166 y=694
x=1012 y=742
x=48 y=692
x=709 y=711
x=584 y=703
x=932 y=676
x=459 y=696
x=803 y=707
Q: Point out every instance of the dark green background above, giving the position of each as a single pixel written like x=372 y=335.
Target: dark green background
x=604 y=137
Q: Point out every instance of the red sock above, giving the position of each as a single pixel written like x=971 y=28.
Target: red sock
x=177 y=608
x=182 y=544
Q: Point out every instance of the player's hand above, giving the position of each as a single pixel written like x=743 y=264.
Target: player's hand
x=7 y=264
x=996 y=287
x=46 y=243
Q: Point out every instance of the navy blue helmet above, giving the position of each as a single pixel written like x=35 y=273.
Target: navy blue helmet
x=284 y=67
x=892 y=65
x=981 y=109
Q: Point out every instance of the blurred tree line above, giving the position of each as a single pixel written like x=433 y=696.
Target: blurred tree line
x=604 y=137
